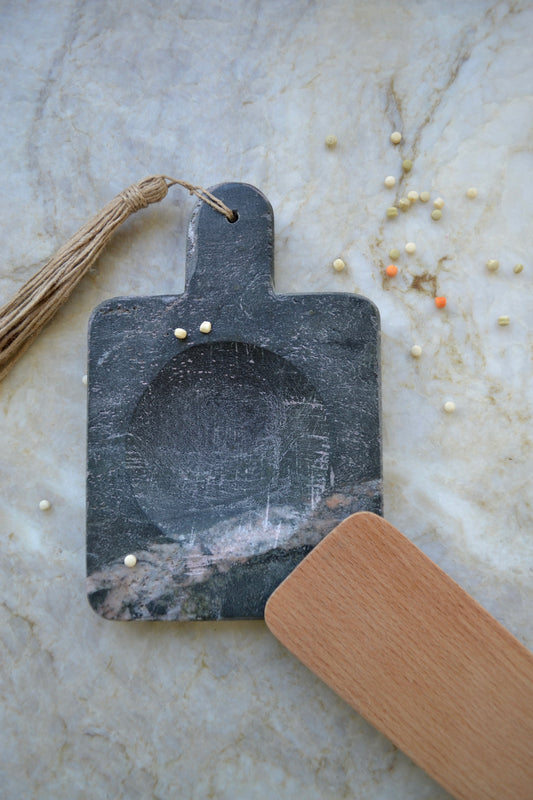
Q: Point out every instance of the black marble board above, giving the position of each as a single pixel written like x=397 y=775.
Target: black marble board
x=221 y=459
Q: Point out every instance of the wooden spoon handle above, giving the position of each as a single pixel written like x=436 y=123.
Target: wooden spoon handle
x=412 y=652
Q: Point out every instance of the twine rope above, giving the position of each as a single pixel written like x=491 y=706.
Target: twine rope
x=37 y=301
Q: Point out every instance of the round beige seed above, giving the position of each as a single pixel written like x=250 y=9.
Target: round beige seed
x=45 y=505
x=436 y=213
x=84 y=380
x=394 y=254
x=472 y=192
x=407 y=165
x=404 y=203
x=392 y=212
x=503 y=320
x=396 y=137
x=390 y=181
x=180 y=333
x=331 y=141
x=438 y=203
x=338 y=265
x=410 y=248
x=493 y=265
x=205 y=327
x=449 y=406
x=518 y=268
x=416 y=351
x=412 y=196
x=424 y=197
x=130 y=560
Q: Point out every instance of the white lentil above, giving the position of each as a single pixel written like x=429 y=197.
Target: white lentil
x=130 y=560
x=503 y=320
x=493 y=265
x=205 y=327
x=449 y=406
x=404 y=203
x=180 y=333
x=45 y=505
x=331 y=141
x=394 y=254
x=407 y=165
x=424 y=196
x=410 y=248
x=84 y=380
x=392 y=212
x=396 y=137
x=412 y=196
x=390 y=181
x=338 y=265
x=416 y=351
x=518 y=268
x=438 y=203
x=472 y=192
x=436 y=213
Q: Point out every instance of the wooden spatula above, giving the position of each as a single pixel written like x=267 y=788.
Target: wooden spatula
x=412 y=652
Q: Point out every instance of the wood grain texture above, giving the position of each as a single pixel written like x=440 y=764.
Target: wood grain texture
x=412 y=652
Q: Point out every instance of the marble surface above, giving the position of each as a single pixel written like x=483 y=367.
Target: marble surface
x=95 y=96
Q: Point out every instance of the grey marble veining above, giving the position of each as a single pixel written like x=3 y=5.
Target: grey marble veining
x=95 y=96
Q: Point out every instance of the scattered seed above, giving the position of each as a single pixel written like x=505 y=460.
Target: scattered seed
x=331 y=141
x=416 y=351
x=518 y=268
x=130 y=560
x=45 y=505
x=438 y=202
x=436 y=214
x=493 y=265
x=338 y=265
x=205 y=327
x=407 y=165
x=410 y=248
x=180 y=333
x=440 y=302
x=392 y=270
x=412 y=196
x=404 y=203
x=503 y=320
x=449 y=406
x=392 y=212
x=394 y=254
x=390 y=181
x=472 y=192
x=84 y=380
x=396 y=137
x=424 y=196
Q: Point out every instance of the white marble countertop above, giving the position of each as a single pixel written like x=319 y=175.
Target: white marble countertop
x=96 y=95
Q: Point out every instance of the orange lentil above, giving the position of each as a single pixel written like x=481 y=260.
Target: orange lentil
x=392 y=270
x=440 y=302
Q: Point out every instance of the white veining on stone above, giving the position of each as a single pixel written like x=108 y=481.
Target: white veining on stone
x=96 y=95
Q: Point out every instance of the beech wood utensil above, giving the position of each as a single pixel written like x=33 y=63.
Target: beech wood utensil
x=412 y=652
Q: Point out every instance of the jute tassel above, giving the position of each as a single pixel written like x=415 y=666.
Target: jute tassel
x=23 y=317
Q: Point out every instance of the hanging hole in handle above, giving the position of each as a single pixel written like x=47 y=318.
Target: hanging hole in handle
x=235 y=216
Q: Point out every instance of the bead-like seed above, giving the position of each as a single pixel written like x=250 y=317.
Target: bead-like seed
x=410 y=248
x=407 y=165
x=392 y=212
x=84 y=380
x=45 y=505
x=180 y=333
x=396 y=137
x=503 y=320
x=472 y=192
x=493 y=265
x=438 y=202
x=412 y=196
x=392 y=270
x=338 y=265
x=394 y=254
x=424 y=197
x=416 y=351
x=404 y=203
x=449 y=406
x=440 y=302
x=205 y=327
x=436 y=213
x=130 y=560
x=331 y=141
x=518 y=268
x=390 y=181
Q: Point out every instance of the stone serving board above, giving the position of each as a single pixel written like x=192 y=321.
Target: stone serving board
x=220 y=460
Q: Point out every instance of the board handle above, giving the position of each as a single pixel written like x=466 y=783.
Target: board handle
x=227 y=258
